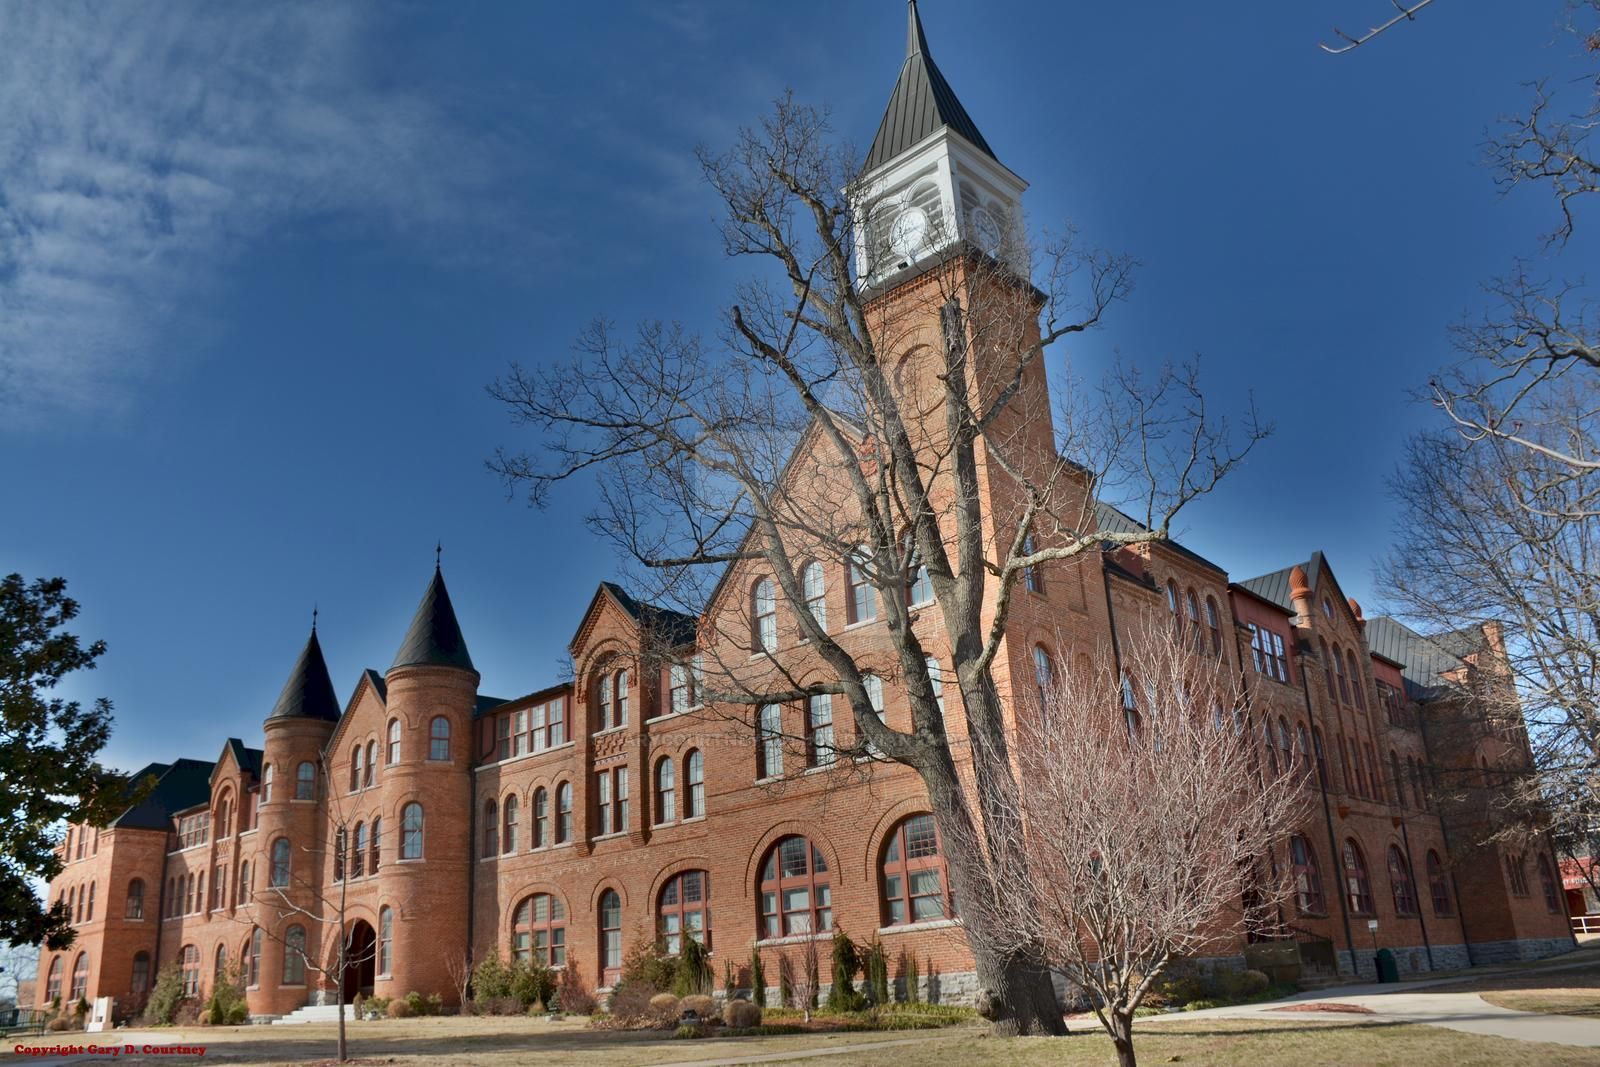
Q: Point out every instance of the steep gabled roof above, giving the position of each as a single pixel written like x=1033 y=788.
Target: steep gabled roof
x=1274 y=586
x=922 y=103
x=248 y=760
x=1423 y=658
x=308 y=694
x=434 y=639
x=180 y=785
x=1112 y=519
x=673 y=627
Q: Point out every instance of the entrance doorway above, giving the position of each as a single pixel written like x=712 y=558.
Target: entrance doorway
x=361 y=961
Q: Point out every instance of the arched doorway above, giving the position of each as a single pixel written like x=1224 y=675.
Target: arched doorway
x=361 y=961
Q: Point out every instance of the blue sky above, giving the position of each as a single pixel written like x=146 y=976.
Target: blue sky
x=257 y=263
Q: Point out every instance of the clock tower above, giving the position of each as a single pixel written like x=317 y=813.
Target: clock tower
x=931 y=185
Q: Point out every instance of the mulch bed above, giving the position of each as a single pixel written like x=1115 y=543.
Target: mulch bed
x=1347 y=1009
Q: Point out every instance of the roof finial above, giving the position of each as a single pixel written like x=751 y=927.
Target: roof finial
x=915 y=41
x=438 y=555
x=313 y=617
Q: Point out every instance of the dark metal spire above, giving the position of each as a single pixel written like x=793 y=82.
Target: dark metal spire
x=308 y=694
x=921 y=103
x=434 y=639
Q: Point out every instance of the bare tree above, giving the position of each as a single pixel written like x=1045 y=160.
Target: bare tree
x=904 y=441
x=1149 y=823
x=1351 y=43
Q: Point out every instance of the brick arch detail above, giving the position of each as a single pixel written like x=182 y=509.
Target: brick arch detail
x=765 y=842
x=677 y=866
x=602 y=652
x=509 y=912
x=608 y=882
x=886 y=822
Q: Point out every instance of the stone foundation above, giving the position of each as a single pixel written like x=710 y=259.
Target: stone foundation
x=1413 y=959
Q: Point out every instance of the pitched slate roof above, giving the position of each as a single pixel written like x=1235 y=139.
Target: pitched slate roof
x=308 y=694
x=1274 y=587
x=181 y=784
x=921 y=103
x=1111 y=519
x=248 y=759
x=673 y=627
x=1423 y=658
x=434 y=639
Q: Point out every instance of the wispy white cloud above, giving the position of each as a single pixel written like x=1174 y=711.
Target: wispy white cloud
x=144 y=146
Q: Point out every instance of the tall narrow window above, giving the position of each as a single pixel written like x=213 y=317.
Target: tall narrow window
x=1547 y=885
x=914 y=876
x=1307 y=879
x=795 y=894
x=764 y=610
x=91 y=903
x=341 y=851
x=769 y=741
x=1192 y=603
x=694 y=773
x=392 y=755
x=622 y=698
x=1214 y=624
x=135 y=908
x=679 y=688
x=1358 y=888
x=861 y=599
x=245 y=889
x=1032 y=579
x=358 y=853
x=1338 y=670
x=294 y=956
x=266 y=784
x=491 y=828
x=189 y=960
x=1172 y=604
x=557 y=728
x=411 y=832
x=439 y=738
x=610 y=935
x=1043 y=674
x=1405 y=894
x=1399 y=779
x=681 y=910
x=602 y=783
x=355 y=769
x=816 y=591
x=919 y=587
x=502 y=732
x=385 y=940
x=564 y=812
x=508 y=825
x=305 y=781
x=52 y=982
x=1439 y=886
x=1356 y=683
x=666 y=792
x=280 y=863
x=936 y=681
x=1327 y=670
x=219 y=965
x=606 y=682
x=874 y=687
x=141 y=974
x=368 y=771
x=1322 y=759
x=377 y=843
x=541 y=817
x=253 y=967
x=820 y=750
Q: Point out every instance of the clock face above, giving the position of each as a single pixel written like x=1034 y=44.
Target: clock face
x=908 y=231
x=986 y=230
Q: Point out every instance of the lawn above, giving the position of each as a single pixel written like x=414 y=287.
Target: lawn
x=506 y=1041
x=1571 y=992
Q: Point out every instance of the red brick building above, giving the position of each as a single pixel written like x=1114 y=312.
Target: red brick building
x=576 y=820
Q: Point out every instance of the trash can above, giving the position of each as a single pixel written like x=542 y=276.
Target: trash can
x=1388 y=970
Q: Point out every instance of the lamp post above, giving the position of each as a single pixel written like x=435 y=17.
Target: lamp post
x=1372 y=928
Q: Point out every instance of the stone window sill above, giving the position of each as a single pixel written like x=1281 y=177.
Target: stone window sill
x=924 y=924
x=794 y=939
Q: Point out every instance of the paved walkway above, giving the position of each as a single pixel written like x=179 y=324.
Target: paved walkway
x=1430 y=1002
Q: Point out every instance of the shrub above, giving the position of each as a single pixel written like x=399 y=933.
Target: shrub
x=730 y=982
x=237 y=1015
x=699 y=1003
x=785 y=981
x=631 y=1002
x=530 y=983
x=214 y=1013
x=739 y=1014
x=689 y=1031
x=490 y=979
x=1251 y=983
x=758 y=978
x=434 y=1005
x=664 y=1007
x=188 y=1013
x=909 y=970
x=876 y=969
x=400 y=1009
x=572 y=993
x=646 y=962
x=694 y=970
x=496 y=1006
x=842 y=995
x=167 y=994
x=58 y=1024
x=377 y=1005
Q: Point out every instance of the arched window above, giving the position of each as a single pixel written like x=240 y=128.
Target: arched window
x=1357 y=886
x=52 y=982
x=385 y=940
x=564 y=812
x=1327 y=669
x=694 y=775
x=280 y=863
x=1303 y=745
x=541 y=817
x=816 y=590
x=358 y=853
x=1032 y=579
x=305 y=781
x=439 y=738
x=1307 y=879
x=80 y=977
x=392 y=754
x=252 y=958
x=491 y=829
x=294 y=956
x=795 y=895
x=508 y=821
x=1322 y=759
x=606 y=682
x=1338 y=670
x=266 y=783
x=919 y=587
x=245 y=895
x=223 y=821
x=666 y=792
x=411 y=832
x=610 y=935
x=1286 y=743
x=1439 y=886
x=341 y=852
x=764 y=616
x=683 y=911
x=140 y=979
x=1356 y=682
x=1405 y=893
x=915 y=880
x=377 y=840
x=219 y=966
x=539 y=931
x=769 y=741
x=820 y=749
x=1517 y=874
x=372 y=764
x=1172 y=604
x=622 y=698
x=1043 y=673
x=859 y=596
x=1399 y=779
x=1214 y=624
x=355 y=768
x=189 y=961
x=90 y=912
x=1547 y=884
x=1191 y=602
x=935 y=681
x=1271 y=747
x=135 y=909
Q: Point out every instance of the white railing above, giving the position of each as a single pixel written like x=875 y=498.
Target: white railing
x=1586 y=924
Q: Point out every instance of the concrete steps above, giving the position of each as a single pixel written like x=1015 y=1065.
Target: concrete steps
x=318 y=1013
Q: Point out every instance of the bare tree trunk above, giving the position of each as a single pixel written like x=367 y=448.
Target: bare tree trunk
x=1122 y=1038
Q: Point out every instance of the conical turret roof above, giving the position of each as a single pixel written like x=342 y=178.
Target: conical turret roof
x=921 y=103
x=434 y=639
x=308 y=694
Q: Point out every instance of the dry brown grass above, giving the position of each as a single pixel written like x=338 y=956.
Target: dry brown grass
x=1570 y=992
